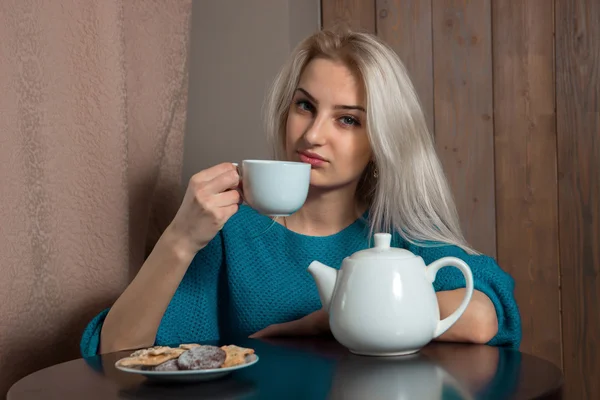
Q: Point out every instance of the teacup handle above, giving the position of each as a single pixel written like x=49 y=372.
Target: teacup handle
x=239 y=170
x=431 y=272
x=238 y=167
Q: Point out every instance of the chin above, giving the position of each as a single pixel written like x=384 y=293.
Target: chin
x=324 y=183
x=317 y=179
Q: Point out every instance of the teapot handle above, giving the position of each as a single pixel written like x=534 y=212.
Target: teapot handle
x=431 y=273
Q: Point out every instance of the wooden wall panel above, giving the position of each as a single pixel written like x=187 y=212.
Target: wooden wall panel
x=357 y=14
x=462 y=51
x=405 y=25
x=578 y=128
x=518 y=132
x=525 y=148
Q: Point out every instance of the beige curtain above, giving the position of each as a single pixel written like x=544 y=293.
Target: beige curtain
x=92 y=111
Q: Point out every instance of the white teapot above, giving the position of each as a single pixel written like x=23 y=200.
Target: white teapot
x=382 y=302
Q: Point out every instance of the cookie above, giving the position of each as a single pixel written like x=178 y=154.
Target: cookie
x=156 y=350
x=152 y=356
x=188 y=346
x=170 y=365
x=201 y=357
x=235 y=355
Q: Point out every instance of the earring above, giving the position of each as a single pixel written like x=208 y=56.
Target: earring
x=375 y=173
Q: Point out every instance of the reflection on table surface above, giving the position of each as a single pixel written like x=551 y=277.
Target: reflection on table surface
x=321 y=368
x=317 y=368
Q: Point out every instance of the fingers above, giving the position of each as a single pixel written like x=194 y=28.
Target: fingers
x=285 y=329
x=272 y=330
x=227 y=180
x=227 y=198
x=315 y=323
x=212 y=172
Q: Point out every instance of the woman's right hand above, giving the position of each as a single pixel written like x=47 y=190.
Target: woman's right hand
x=210 y=200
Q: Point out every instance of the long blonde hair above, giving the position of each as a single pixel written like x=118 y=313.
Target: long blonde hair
x=410 y=194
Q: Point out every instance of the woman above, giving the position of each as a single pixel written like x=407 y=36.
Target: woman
x=343 y=103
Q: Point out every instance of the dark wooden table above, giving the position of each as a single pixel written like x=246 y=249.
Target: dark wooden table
x=316 y=368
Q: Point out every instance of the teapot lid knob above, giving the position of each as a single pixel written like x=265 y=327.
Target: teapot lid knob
x=382 y=249
x=382 y=240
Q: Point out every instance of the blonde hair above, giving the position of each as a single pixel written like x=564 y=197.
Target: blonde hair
x=410 y=195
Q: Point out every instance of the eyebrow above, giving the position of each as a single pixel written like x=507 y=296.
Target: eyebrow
x=340 y=107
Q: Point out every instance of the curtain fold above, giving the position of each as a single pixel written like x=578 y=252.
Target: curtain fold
x=92 y=112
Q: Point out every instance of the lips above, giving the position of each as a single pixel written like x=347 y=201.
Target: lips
x=312 y=155
x=311 y=158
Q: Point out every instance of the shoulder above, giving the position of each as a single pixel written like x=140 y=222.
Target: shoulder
x=434 y=250
x=481 y=265
x=431 y=251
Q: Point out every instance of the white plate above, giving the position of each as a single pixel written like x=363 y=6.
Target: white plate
x=187 y=376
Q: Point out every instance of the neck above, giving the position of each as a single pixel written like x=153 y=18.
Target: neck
x=325 y=212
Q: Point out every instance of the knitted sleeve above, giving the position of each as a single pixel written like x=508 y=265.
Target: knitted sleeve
x=488 y=278
x=201 y=278
x=192 y=314
x=90 y=340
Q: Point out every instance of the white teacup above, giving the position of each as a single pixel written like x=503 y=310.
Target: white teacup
x=275 y=188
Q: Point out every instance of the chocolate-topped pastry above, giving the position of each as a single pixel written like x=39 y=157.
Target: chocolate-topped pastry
x=170 y=365
x=202 y=357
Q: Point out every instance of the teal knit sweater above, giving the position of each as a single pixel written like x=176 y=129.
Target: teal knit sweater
x=254 y=274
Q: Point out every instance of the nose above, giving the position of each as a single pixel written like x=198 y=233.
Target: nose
x=316 y=132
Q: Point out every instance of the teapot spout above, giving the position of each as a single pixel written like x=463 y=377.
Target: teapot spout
x=325 y=278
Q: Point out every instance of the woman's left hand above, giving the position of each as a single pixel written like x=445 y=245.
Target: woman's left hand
x=316 y=323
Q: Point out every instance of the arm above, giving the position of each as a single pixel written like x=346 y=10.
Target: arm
x=492 y=316
x=133 y=321
x=135 y=317
x=189 y=311
x=478 y=324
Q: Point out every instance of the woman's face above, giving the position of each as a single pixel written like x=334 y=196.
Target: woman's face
x=326 y=125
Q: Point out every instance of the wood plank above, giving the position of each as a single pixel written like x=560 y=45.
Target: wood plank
x=578 y=130
x=405 y=25
x=357 y=14
x=525 y=149
x=463 y=108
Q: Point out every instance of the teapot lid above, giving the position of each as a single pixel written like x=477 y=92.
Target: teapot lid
x=382 y=249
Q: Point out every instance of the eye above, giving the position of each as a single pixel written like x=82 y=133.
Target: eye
x=304 y=105
x=349 y=121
